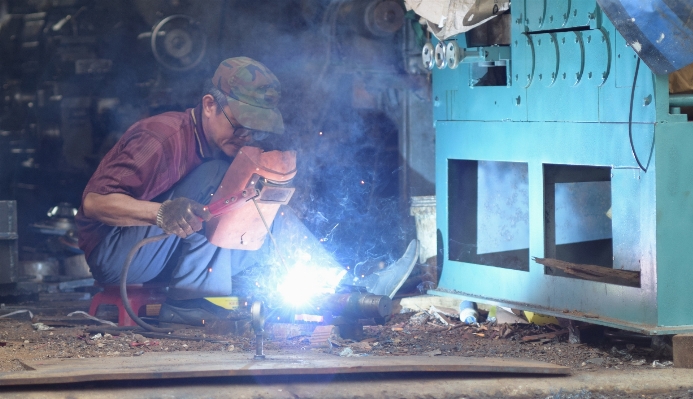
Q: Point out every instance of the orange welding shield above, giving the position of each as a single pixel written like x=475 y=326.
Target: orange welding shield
x=254 y=187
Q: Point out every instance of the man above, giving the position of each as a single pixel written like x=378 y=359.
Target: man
x=157 y=179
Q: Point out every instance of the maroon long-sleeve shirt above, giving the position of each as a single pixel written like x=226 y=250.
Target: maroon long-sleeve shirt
x=153 y=155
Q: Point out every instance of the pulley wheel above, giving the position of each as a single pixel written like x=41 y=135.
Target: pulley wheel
x=440 y=58
x=384 y=17
x=178 y=43
x=427 y=56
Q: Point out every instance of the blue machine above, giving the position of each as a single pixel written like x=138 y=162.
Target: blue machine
x=541 y=162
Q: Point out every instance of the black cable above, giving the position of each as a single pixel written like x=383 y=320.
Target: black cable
x=124 y=280
x=630 y=123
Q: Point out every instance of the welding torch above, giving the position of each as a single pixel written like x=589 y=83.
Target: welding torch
x=257 y=190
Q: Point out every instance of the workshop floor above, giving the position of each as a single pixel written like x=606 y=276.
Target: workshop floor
x=20 y=342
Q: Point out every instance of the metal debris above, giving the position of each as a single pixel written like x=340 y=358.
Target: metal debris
x=90 y=317
x=41 y=327
x=31 y=315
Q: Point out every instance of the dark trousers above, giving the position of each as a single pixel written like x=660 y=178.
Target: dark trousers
x=193 y=267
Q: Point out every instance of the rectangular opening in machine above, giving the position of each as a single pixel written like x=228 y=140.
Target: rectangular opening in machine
x=578 y=225
x=488 y=213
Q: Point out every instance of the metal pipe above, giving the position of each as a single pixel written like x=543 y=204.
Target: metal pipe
x=354 y=305
x=681 y=100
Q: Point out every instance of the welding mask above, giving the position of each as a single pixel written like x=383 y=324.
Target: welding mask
x=254 y=187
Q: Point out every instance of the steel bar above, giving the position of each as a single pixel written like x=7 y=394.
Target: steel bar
x=681 y=100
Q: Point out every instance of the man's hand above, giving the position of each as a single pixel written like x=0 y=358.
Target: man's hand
x=181 y=216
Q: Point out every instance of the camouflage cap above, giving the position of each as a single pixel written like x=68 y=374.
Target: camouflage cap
x=252 y=92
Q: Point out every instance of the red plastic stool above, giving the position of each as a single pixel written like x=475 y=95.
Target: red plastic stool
x=138 y=295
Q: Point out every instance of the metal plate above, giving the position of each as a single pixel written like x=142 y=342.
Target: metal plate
x=546 y=50
x=535 y=13
x=162 y=366
x=625 y=185
x=582 y=13
x=523 y=61
x=571 y=56
x=597 y=56
x=556 y=14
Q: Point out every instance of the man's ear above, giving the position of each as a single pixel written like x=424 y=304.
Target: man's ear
x=209 y=106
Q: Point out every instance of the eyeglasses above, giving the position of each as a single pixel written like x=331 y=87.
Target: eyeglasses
x=243 y=132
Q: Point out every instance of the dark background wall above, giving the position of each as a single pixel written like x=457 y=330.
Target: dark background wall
x=75 y=74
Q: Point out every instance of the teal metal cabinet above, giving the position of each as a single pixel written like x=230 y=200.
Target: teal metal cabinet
x=540 y=164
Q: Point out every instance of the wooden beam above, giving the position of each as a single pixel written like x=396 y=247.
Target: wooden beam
x=593 y=272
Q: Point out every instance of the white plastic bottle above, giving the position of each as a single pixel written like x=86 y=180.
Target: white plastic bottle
x=468 y=313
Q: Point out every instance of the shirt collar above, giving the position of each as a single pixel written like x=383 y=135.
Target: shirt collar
x=196 y=119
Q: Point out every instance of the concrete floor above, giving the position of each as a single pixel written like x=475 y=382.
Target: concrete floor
x=602 y=384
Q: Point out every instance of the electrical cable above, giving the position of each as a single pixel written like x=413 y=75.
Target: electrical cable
x=630 y=123
x=124 y=280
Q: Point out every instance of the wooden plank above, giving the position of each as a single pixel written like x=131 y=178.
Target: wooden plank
x=156 y=366
x=542 y=336
x=593 y=273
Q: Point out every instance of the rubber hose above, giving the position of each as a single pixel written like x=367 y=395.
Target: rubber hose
x=124 y=281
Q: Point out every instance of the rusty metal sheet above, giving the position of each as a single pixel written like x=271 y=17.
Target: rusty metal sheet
x=161 y=366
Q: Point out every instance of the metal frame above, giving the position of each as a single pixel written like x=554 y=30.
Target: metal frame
x=577 y=114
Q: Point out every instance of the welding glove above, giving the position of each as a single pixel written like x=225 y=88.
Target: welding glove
x=181 y=216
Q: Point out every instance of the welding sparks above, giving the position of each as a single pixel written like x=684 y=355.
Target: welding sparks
x=304 y=282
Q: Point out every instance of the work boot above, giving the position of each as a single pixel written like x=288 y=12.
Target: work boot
x=388 y=280
x=200 y=311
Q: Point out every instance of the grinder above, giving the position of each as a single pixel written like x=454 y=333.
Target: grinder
x=264 y=177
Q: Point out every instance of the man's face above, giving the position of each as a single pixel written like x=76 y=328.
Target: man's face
x=221 y=132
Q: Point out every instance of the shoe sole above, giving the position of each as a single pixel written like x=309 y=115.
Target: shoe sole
x=410 y=256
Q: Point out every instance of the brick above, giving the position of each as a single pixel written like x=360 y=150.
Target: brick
x=683 y=351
